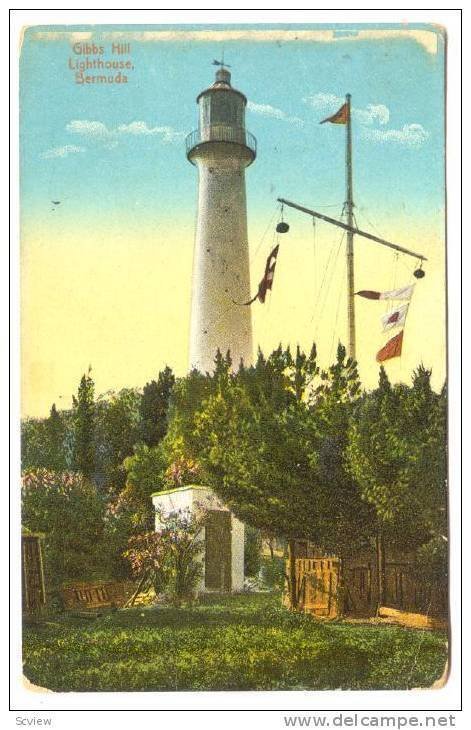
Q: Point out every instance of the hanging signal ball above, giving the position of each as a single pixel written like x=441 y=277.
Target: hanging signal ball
x=419 y=274
x=282 y=227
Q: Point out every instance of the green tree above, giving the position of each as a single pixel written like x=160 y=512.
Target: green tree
x=254 y=438
x=154 y=407
x=271 y=445
x=43 y=442
x=131 y=512
x=188 y=395
x=252 y=551
x=34 y=444
x=145 y=474
x=84 y=426
x=56 y=433
x=115 y=434
x=68 y=510
x=397 y=455
x=348 y=520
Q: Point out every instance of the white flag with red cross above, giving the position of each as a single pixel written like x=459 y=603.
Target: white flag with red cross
x=396 y=318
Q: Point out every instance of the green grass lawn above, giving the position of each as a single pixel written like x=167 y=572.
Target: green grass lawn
x=231 y=643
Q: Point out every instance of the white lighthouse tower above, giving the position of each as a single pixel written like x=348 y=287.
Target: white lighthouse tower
x=222 y=149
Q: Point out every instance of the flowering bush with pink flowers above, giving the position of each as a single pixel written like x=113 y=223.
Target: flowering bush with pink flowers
x=169 y=559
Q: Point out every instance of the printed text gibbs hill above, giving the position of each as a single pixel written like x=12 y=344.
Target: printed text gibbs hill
x=108 y=61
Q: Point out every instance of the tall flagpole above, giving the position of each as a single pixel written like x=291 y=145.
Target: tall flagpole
x=349 y=209
x=343 y=116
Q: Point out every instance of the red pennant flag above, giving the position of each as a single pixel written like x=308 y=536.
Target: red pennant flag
x=368 y=294
x=392 y=348
x=405 y=292
x=340 y=117
x=267 y=281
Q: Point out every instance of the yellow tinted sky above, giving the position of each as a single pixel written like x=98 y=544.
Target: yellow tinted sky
x=119 y=299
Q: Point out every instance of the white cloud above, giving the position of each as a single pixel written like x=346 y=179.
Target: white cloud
x=168 y=133
x=329 y=103
x=411 y=135
x=99 y=132
x=64 y=151
x=266 y=110
x=371 y=114
x=88 y=129
x=369 y=117
x=324 y=102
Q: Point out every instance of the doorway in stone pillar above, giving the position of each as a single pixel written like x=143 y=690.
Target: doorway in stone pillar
x=218 y=554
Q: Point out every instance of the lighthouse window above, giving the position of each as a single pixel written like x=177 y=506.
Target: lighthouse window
x=226 y=108
x=205 y=111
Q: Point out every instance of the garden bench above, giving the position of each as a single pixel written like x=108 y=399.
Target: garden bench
x=87 y=596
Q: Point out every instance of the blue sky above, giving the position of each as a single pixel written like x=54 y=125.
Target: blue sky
x=397 y=92
x=106 y=275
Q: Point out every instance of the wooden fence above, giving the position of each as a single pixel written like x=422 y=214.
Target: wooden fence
x=329 y=587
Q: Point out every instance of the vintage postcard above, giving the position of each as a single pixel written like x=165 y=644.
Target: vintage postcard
x=234 y=366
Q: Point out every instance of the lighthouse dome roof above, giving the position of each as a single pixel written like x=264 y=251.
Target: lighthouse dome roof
x=222 y=82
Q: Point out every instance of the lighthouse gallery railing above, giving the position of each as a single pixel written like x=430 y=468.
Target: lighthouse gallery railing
x=221 y=133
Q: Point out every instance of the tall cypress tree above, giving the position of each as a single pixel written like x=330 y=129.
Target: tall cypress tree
x=55 y=429
x=154 y=407
x=84 y=426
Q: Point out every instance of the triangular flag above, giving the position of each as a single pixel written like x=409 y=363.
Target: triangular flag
x=392 y=348
x=340 y=117
x=404 y=292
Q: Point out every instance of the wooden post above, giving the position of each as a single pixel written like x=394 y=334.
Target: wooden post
x=380 y=566
x=340 y=588
x=349 y=208
x=293 y=593
x=131 y=600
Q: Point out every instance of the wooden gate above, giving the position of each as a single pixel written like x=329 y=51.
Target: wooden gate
x=32 y=574
x=317 y=580
x=218 y=553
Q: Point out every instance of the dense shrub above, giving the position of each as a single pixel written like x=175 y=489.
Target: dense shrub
x=252 y=551
x=69 y=511
x=273 y=572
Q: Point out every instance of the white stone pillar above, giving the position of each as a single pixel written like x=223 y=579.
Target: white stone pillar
x=237 y=551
